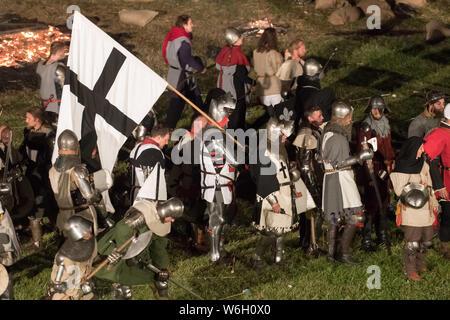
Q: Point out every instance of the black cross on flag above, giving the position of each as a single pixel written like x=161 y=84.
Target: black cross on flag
x=107 y=91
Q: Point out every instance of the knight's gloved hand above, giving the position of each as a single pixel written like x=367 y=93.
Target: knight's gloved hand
x=60 y=287
x=114 y=257
x=163 y=275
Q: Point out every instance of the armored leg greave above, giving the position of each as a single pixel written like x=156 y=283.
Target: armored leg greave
x=36 y=231
x=121 y=292
x=410 y=252
x=346 y=243
x=216 y=222
x=279 y=251
x=163 y=288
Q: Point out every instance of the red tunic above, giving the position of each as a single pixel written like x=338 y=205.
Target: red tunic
x=438 y=143
x=384 y=149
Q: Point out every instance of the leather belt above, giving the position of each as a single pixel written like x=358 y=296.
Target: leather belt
x=266 y=76
x=338 y=170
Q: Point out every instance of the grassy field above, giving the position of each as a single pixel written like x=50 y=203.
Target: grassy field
x=395 y=60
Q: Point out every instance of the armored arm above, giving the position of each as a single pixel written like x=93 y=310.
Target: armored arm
x=81 y=177
x=359 y=158
x=221 y=148
x=272 y=199
x=134 y=218
x=59 y=286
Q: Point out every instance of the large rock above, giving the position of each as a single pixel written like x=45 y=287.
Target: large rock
x=386 y=12
x=330 y=4
x=436 y=30
x=137 y=17
x=413 y=3
x=345 y=15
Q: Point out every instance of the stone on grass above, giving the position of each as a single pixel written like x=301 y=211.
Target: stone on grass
x=137 y=17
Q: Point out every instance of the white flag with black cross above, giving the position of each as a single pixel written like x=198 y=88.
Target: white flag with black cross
x=107 y=91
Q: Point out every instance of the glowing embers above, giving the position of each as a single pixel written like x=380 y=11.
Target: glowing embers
x=256 y=28
x=28 y=47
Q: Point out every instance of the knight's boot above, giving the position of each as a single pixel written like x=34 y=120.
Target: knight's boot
x=367 y=242
x=36 y=231
x=162 y=290
x=332 y=239
x=346 y=243
x=279 y=249
x=260 y=250
x=121 y=292
x=382 y=238
x=445 y=250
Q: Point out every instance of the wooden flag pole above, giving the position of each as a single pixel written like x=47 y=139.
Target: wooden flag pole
x=203 y=114
x=105 y=262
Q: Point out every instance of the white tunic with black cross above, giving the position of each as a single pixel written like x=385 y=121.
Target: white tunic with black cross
x=216 y=175
x=147 y=158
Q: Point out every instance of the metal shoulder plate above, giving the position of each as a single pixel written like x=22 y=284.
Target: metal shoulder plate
x=134 y=218
x=81 y=176
x=81 y=171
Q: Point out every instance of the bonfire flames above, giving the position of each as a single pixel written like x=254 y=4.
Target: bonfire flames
x=257 y=27
x=28 y=47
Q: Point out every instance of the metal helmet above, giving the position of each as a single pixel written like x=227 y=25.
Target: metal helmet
x=312 y=67
x=434 y=96
x=414 y=195
x=140 y=132
x=76 y=227
x=173 y=207
x=68 y=141
x=377 y=102
x=341 y=109
x=277 y=128
x=220 y=107
x=232 y=35
x=60 y=74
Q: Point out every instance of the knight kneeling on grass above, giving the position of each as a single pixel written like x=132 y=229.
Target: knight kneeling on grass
x=148 y=222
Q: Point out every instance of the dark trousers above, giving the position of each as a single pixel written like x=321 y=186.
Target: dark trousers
x=444 y=230
x=374 y=216
x=304 y=231
x=176 y=106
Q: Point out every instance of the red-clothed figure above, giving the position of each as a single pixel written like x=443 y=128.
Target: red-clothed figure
x=438 y=143
x=376 y=125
